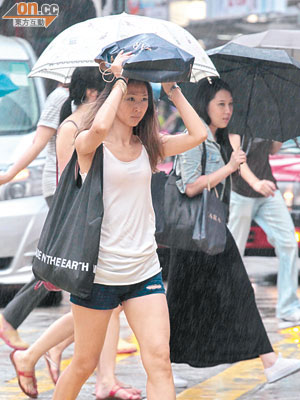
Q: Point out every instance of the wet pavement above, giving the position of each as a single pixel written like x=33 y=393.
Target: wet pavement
x=243 y=380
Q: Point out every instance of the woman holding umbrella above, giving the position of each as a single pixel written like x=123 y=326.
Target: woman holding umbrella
x=211 y=300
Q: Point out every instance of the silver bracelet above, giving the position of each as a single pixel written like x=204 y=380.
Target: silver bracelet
x=170 y=94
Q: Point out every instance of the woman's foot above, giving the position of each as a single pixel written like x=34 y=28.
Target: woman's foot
x=117 y=391
x=128 y=387
x=53 y=359
x=282 y=368
x=25 y=373
x=11 y=336
x=125 y=347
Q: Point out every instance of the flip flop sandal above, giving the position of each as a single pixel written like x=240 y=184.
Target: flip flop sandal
x=128 y=386
x=51 y=364
x=114 y=391
x=26 y=375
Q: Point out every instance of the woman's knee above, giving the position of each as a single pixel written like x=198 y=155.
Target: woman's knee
x=84 y=366
x=157 y=358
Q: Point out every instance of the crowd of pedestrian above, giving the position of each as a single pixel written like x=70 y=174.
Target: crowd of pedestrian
x=206 y=293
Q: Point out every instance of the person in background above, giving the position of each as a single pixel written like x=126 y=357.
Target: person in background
x=27 y=298
x=211 y=300
x=256 y=197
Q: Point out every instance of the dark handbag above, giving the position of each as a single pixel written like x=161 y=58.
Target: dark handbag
x=210 y=228
x=154 y=59
x=197 y=223
x=69 y=243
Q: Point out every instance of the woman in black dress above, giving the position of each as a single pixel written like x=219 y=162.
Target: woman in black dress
x=213 y=314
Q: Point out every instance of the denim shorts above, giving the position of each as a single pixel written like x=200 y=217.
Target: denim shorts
x=104 y=297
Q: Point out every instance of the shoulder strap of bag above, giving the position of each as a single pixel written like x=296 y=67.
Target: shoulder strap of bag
x=203 y=158
x=97 y=164
x=203 y=165
x=76 y=134
x=101 y=166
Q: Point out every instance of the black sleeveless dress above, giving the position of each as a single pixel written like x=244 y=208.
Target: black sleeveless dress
x=213 y=314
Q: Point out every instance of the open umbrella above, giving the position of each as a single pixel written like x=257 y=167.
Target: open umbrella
x=78 y=45
x=6 y=85
x=266 y=90
x=284 y=39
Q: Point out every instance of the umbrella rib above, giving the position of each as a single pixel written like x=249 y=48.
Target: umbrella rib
x=276 y=102
x=249 y=100
x=281 y=77
x=231 y=69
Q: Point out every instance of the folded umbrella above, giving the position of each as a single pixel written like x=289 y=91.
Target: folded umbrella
x=153 y=59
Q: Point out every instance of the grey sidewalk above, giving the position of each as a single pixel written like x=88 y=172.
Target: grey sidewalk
x=218 y=383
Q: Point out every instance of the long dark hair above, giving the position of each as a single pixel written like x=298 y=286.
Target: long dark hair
x=82 y=78
x=147 y=129
x=206 y=91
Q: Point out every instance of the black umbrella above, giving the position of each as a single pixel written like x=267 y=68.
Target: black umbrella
x=266 y=90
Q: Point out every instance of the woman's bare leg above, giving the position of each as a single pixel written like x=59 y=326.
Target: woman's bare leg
x=148 y=317
x=106 y=379
x=106 y=366
x=25 y=360
x=268 y=359
x=55 y=354
x=89 y=329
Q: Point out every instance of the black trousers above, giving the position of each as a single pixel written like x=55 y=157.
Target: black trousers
x=18 y=309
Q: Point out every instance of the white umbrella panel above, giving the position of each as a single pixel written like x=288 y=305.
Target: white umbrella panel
x=78 y=45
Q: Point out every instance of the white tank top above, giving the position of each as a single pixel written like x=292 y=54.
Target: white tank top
x=127 y=252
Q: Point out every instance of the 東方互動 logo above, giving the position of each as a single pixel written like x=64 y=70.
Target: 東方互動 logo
x=29 y=15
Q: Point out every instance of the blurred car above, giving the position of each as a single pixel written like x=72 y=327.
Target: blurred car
x=22 y=206
x=286 y=170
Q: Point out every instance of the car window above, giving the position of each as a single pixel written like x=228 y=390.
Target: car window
x=19 y=110
x=291 y=146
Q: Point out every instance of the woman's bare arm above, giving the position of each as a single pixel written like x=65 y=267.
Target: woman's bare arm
x=87 y=142
x=262 y=186
x=197 y=133
x=42 y=137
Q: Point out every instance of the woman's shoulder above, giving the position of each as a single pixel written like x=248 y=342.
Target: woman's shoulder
x=69 y=124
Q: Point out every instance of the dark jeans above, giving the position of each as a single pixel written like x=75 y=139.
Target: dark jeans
x=105 y=297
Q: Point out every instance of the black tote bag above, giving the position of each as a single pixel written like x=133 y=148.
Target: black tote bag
x=69 y=243
x=153 y=59
x=191 y=223
x=209 y=232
